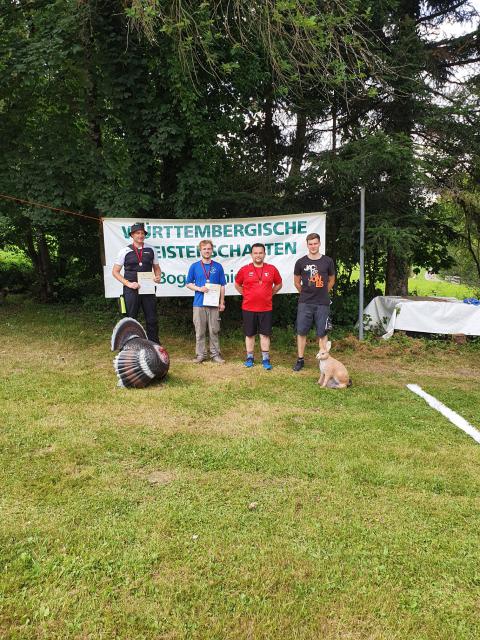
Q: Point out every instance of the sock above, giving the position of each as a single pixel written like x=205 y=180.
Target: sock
x=265 y=355
x=300 y=358
x=250 y=354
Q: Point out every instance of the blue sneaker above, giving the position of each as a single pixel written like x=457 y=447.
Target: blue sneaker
x=249 y=362
x=266 y=364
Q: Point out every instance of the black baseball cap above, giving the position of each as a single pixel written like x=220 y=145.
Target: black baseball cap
x=138 y=226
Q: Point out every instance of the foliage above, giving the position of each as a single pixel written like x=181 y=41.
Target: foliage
x=345 y=302
x=301 y=43
x=419 y=286
x=16 y=273
x=153 y=108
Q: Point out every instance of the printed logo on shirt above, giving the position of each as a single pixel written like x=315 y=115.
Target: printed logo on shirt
x=315 y=279
x=252 y=274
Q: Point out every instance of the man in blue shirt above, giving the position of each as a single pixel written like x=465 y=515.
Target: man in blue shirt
x=201 y=276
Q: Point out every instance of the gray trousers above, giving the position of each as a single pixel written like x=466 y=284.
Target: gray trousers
x=203 y=318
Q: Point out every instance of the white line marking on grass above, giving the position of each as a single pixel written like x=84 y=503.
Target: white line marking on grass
x=451 y=415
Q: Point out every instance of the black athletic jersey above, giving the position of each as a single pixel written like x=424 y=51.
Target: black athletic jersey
x=314 y=275
x=128 y=259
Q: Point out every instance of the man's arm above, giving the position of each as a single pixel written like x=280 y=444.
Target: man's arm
x=277 y=281
x=297 y=282
x=118 y=276
x=158 y=272
x=221 y=305
x=193 y=287
x=238 y=282
x=331 y=282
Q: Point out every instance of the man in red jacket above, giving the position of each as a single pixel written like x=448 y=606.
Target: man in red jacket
x=258 y=282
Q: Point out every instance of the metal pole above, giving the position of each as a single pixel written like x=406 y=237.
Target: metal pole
x=361 y=281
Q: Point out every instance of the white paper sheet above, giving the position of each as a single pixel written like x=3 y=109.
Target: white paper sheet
x=146 y=282
x=212 y=297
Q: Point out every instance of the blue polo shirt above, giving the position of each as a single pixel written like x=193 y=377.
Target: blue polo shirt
x=196 y=276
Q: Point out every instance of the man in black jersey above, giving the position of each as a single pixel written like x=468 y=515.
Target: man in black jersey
x=136 y=257
x=314 y=276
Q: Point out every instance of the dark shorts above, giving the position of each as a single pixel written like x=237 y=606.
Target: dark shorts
x=257 y=322
x=307 y=314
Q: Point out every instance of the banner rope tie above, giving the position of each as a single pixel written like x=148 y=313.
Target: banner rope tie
x=46 y=206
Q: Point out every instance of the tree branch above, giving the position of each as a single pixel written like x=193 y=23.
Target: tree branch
x=438 y=14
x=460 y=62
x=463 y=39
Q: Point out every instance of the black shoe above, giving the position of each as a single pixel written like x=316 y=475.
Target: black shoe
x=300 y=363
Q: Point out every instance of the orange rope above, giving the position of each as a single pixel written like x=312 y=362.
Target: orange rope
x=46 y=206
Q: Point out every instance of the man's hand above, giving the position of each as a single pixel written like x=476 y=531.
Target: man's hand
x=297 y=283
x=202 y=289
x=221 y=306
x=156 y=279
x=132 y=285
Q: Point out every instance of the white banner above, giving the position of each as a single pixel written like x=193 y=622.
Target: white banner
x=176 y=245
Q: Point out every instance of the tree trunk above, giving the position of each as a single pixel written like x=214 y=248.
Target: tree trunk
x=333 y=226
x=45 y=268
x=39 y=254
x=401 y=117
x=334 y=130
x=397 y=274
x=371 y=263
x=269 y=141
x=298 y=146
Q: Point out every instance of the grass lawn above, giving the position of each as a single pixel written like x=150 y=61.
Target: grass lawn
x=231 y=503
x=421 y=287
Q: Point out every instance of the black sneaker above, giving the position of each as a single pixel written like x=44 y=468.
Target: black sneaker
x=300 y=363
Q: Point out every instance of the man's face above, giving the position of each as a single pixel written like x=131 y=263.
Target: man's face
x=206 y=251
x=138 y=236
x=313 y=246
x=258 y=255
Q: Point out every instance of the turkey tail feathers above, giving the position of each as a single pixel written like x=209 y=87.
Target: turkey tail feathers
x=139 y=360
x=125 y=330
x=132 y=369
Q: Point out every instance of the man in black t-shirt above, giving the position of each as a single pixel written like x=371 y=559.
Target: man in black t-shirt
x=314 y=276
x=134 y=258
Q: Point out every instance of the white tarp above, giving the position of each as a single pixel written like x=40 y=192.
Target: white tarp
x=443 y=315
x=176 y=244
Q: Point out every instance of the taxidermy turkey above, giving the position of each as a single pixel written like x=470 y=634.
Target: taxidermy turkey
x=140 y=361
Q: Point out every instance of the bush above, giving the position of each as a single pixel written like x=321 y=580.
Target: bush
x=285 y=310
x=16 y=272
x=344 y=310
x=75 y=288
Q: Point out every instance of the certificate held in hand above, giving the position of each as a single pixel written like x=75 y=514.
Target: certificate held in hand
x=212 y=297
x=146 y=282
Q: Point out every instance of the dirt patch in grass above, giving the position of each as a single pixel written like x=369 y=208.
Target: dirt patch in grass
x=253 y=419
x=214 y=371
x=159 y=477
x=45 y=451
